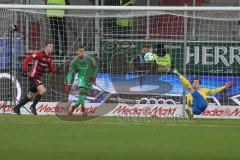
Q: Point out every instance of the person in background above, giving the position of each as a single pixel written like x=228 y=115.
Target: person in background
x=124 y=26
x=139 y=62
x=162 y=58
x=57 y=25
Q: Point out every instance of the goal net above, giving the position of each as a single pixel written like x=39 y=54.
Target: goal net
x=200 y=43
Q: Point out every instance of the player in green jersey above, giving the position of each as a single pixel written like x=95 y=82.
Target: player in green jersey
x=86 y=68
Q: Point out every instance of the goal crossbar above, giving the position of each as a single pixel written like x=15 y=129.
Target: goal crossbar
x=132 y=8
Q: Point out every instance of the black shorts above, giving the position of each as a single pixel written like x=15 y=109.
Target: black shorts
x=34 y=83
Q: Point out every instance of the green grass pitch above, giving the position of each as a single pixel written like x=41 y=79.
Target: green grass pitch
x=48 y=138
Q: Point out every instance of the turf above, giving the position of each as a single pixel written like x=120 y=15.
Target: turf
x=48 y=138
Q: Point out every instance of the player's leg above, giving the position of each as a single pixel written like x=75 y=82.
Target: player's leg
x=199 y=104
x=83 y=92
x=28 y=97
x=23 y=101
x=41 y=92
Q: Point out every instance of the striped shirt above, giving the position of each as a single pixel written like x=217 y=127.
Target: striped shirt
x=42 y=61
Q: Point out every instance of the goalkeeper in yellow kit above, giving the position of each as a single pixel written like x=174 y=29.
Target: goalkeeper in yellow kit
x=196 y=99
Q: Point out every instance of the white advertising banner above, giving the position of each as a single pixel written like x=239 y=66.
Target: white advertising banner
x=125 y=110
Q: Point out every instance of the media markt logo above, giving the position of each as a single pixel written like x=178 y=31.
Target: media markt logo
x=225 y=112
x=144 y=111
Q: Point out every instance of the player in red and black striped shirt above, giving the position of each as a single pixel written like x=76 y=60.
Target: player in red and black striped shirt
x=42 y=61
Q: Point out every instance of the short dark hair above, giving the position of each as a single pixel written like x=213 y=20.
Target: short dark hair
x=148 y=46
x=161 y=51
x=47 y=43
x=145 y=44
x=79 y=46
x=197 y=78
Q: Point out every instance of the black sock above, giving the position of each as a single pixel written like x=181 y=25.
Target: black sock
x=36 y=100
x=22 y=102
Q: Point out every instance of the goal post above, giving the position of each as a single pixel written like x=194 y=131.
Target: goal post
x=197 y=41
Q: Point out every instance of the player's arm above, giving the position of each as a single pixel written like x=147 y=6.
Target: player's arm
x=70 y=76
x=95 y=69
x=95 y=66
x=29 y=58
x=185 y=82
x=220 y=89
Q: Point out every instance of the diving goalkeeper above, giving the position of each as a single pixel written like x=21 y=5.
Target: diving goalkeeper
x=86 y=68
x=196 y=99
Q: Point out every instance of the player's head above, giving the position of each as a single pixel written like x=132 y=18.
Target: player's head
x=196 y=82
x=146 y=48
x=161 y=49
x=80 y=51
x=149 y=48
x=48 y=47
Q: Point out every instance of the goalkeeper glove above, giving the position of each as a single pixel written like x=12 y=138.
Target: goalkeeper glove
x=94 y=79
x=176 y=72
x=24 y=73
x=228 y=85
x=68 y=88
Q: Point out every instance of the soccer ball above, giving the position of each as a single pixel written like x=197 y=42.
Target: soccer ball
x=148 y=57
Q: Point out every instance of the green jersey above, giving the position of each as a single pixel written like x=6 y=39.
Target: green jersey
x=85 y=68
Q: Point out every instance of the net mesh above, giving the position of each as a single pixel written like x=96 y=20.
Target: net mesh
x=117 y=39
